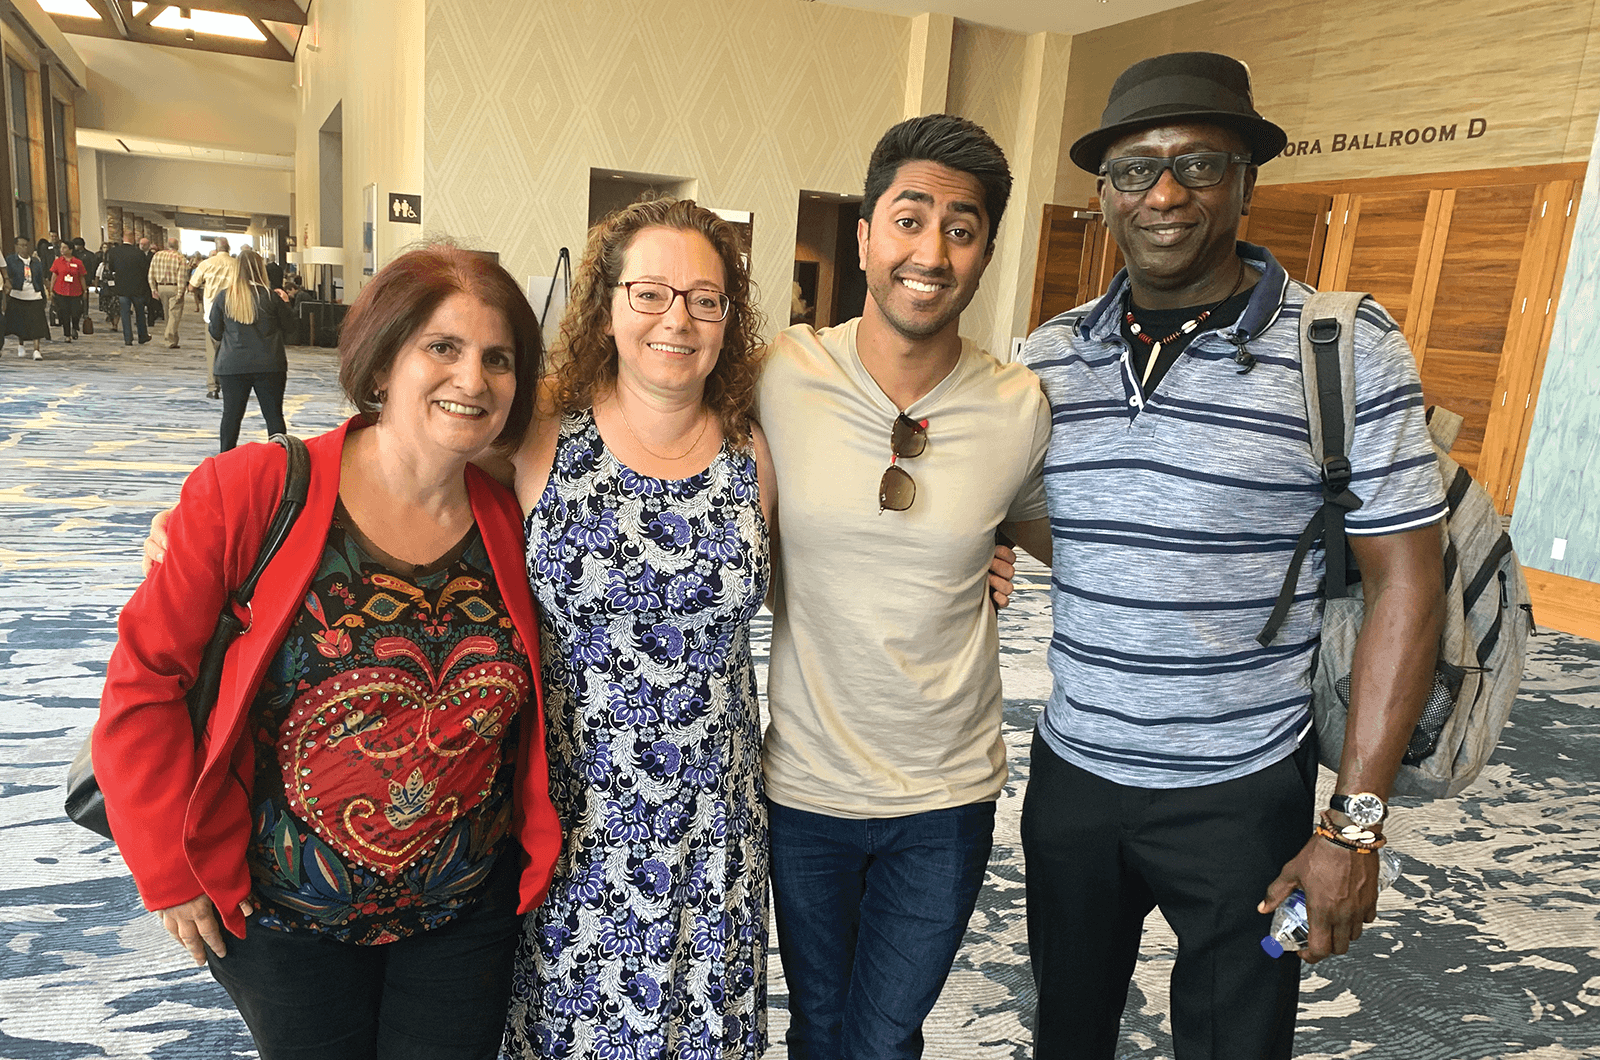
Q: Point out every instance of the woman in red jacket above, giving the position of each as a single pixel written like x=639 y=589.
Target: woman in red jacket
x=368 y=812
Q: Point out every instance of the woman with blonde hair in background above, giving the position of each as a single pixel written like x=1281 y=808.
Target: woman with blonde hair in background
x=248 y=321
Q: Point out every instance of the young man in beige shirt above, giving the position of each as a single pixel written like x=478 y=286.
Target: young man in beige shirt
x=900 y=449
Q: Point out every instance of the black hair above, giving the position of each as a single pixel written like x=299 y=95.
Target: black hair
x=949 y=141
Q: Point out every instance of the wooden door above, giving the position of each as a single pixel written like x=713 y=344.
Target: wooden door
x=1552 y=218
x=1072 y=246
x=1471 y=273
x=1477 y=282
x=1293 y=225
x=1383 y=248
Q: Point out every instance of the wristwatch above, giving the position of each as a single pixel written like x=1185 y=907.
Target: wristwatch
x=1363 y=808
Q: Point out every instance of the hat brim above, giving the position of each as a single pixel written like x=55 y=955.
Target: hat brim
x=1266 y=140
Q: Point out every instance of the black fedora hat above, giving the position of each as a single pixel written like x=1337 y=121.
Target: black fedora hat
x=1181 y=87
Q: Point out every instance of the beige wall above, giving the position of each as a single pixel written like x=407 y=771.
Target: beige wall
x=230 y=101
x=756 y=99
x=374 y=67
x=986 y=75
x=1341 y=68
x=196 y=185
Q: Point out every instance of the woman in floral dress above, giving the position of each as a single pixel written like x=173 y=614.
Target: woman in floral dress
x=648 y=489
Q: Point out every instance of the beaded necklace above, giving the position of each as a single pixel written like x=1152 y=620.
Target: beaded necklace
x=1185 y=328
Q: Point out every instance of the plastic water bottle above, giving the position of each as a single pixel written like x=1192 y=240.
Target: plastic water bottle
x=1289 y=924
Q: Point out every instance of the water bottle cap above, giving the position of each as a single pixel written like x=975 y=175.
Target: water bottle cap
x=1273 y=947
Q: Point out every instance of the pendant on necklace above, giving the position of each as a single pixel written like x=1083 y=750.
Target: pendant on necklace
x=1150 y=365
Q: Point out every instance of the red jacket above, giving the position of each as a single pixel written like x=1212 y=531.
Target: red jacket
x=181 y=816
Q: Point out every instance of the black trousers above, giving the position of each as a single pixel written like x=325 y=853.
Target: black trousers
x=436 y=995
x=1100 y=856
x=69 y=311
x=236 y=394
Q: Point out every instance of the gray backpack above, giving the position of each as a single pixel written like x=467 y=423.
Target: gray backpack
x=1488 y=615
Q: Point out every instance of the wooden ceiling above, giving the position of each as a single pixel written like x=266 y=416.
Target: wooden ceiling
x=279 y=21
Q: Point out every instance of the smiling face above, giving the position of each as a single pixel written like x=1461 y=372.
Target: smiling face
x=669 y=353
x=452 y=382
x=925 y=248
x=1179 y=242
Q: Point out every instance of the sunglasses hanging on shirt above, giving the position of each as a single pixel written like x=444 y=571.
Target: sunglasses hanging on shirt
x=908 y=438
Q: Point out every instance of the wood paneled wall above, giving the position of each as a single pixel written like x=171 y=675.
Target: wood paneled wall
x=1469 y=264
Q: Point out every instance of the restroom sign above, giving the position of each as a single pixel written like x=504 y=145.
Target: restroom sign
x=407 y=209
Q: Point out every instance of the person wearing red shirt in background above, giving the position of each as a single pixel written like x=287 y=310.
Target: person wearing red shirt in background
x=69 y=282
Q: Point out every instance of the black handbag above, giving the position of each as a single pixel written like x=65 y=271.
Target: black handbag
x=85 y=803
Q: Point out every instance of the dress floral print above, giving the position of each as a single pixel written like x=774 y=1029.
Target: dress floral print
x=652 y=943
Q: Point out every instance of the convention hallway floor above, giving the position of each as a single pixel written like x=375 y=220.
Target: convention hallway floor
x=1489 y=947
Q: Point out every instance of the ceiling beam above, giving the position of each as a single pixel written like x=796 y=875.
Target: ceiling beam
x=88 y=27
x=270 y=48
x=111 y=15
x=266 y=10
x=273 y=41
x=149 y=14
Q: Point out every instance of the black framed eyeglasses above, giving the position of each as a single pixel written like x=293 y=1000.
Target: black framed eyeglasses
x=1197 y=169
x=907 y=438
x=653 y=299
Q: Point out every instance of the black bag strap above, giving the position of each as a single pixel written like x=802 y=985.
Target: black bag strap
x=1327 y=351
x=202 y=695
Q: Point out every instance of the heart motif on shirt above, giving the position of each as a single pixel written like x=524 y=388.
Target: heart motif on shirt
x=380 y=762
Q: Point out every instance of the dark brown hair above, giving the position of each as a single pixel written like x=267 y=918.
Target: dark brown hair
x=589 y=355
x=949 y=141
x=400 y=300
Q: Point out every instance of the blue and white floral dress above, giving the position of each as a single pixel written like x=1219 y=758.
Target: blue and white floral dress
x=652 y=943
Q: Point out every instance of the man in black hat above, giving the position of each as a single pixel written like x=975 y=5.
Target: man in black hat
x=1175 y=762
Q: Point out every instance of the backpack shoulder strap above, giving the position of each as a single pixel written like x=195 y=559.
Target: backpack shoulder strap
x=1327 y=369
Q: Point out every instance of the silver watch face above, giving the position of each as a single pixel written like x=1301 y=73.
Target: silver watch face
x=1365 y=809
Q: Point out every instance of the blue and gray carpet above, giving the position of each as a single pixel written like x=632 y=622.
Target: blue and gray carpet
x=1489 y=947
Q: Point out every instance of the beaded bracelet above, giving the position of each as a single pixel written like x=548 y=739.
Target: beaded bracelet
x=1351 y=837
x=1333 y=837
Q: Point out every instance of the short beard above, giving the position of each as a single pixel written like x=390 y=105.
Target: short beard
x=917 y=329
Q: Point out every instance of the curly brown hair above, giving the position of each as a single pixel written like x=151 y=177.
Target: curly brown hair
x=589 y=356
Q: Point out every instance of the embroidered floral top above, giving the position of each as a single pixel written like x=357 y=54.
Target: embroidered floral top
x=385 y=744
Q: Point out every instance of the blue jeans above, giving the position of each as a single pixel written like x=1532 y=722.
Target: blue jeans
x=133 y=307
x=437 y=995
x=870 y=914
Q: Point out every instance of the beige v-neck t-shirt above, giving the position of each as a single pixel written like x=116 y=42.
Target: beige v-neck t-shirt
x=884 y=684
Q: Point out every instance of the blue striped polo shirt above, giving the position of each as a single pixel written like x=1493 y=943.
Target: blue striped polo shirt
x=1174 y=519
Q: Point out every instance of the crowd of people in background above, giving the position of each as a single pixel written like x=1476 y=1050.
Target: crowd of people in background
x=49 y=284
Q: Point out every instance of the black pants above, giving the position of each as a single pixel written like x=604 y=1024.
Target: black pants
x=236 y=394
x=69 y=310
x=437 y=995
x=1100 y=856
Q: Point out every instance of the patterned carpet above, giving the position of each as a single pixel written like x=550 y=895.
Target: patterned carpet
x=1489 y=947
